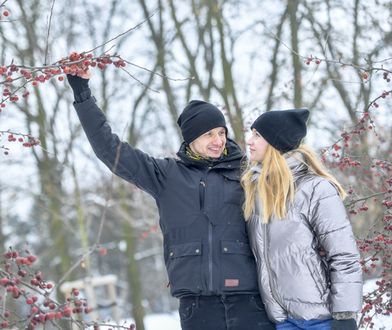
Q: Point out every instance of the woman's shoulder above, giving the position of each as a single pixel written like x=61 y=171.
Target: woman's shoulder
x=315 y=184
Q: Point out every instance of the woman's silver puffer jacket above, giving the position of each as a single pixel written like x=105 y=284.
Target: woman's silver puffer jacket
x=295 y=280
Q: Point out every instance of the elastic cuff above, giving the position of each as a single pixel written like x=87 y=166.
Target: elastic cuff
x=77 y=84
x=344 y=315
x=83 y=96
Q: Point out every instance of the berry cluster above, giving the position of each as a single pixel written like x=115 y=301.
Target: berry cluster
x=22 y=76
x=24 y=286
x=26 y=140
x=16 y=80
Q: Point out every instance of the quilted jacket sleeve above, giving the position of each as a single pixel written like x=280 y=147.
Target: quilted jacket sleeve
x=121 y=158
x=332 y=227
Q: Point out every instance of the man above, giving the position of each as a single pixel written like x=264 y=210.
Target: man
x=206 y=250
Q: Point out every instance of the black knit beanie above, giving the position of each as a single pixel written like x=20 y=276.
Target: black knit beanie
x=283 y=129
x=197 y=118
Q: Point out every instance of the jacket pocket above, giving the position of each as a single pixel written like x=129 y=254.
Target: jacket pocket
x=184 y=268
x=233 y=192
x=238 y=271
x=317 y=276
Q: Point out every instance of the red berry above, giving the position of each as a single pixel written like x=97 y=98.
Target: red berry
x=74 y=56
x=8 y=255
x=31 y=258
x=4 y=281
x=34 y=310
x=4 y=324
x=87 y=310
x=67 y=312
x=50 y=316
x=103 y=251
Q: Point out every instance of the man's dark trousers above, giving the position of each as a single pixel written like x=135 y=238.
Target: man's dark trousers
x=226 y=312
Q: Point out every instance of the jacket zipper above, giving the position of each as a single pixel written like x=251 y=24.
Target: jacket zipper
x=210 y=254
x=202 y=188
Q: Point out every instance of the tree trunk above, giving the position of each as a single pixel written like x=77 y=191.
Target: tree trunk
x=133 y=274
x=292 y=9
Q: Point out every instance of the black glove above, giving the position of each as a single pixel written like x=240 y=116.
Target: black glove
x=80 y=88
x=349 y=324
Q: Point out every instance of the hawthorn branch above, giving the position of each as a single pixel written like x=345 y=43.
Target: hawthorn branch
x=381 y=193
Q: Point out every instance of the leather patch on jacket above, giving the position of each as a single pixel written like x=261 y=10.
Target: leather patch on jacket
x=230 y=282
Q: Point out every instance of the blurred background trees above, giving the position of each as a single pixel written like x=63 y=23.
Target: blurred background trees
x=244 y=56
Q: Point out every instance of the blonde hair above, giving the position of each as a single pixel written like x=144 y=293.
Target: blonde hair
x=275 y=184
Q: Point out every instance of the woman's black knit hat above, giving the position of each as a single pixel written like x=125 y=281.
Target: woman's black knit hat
x=197 y=118
x=283 y=129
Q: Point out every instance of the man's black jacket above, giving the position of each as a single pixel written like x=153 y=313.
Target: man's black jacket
x=206 y=248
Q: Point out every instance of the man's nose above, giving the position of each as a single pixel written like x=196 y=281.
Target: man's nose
x=217 y=139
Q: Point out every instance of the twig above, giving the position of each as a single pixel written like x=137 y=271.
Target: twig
x=365 y=198
x=377 y=98
x=125 y=32
x=156 y=73
x=47 y=35
x=133 y=77
x=109 y=196
x=73 y=267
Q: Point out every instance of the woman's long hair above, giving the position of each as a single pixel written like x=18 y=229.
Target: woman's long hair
x=275 y=184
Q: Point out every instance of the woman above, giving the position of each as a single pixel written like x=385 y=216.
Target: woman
x=307 y=259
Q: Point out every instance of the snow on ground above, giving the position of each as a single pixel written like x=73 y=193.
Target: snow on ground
x=162 y=321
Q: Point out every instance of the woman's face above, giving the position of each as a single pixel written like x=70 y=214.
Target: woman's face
x=257 y=147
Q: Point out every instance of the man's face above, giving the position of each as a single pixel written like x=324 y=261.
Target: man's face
x=211 y=144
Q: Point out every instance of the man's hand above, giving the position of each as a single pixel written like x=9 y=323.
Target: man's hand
x=86 y=74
